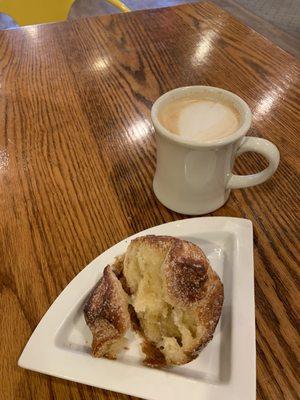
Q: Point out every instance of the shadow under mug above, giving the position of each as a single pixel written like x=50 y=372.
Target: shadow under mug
x=196 y=178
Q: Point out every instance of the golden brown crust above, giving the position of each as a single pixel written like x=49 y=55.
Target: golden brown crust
x=209 y=312
x=106 y=314
x=189 y=287
x=155 y=240
x=185 y=270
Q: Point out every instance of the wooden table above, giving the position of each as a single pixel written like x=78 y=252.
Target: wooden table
x=77 y=158
x=255 y=14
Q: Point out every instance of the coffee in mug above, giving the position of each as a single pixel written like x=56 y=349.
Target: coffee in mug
x=199 y=118
x=200 y=130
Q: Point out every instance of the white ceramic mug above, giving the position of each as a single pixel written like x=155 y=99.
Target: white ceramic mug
x=196 y=178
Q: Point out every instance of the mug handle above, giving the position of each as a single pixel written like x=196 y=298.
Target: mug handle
x=263 y=147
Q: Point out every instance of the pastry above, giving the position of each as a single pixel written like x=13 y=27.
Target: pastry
x=174 y=299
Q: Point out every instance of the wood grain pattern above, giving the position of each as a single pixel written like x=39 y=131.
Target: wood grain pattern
x=255 y=14
x=77 y=157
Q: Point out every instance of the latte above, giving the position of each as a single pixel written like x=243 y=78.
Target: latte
x=199 y=119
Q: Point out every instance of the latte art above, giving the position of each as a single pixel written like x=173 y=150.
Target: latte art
x=199 y=119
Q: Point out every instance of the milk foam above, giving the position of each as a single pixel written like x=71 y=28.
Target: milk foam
x=199 y=119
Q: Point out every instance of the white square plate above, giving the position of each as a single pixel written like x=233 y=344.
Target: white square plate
x=225 y=369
